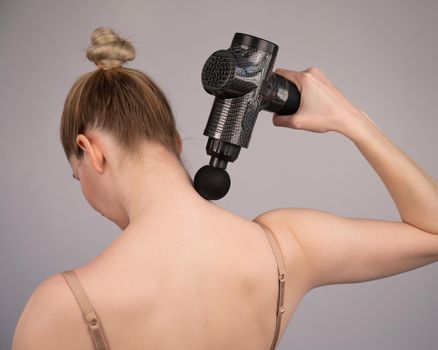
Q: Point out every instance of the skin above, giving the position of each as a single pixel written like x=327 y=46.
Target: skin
x=186 y=274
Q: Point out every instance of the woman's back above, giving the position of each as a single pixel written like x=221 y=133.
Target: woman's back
x=210 y=285
x=185 y=273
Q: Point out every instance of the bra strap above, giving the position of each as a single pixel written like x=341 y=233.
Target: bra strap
x=88 y=312
x=281 y=282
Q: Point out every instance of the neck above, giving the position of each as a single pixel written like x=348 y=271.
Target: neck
x=158 y=188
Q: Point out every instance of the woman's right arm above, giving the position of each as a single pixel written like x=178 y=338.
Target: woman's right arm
x=337 y=249
x=414 y=192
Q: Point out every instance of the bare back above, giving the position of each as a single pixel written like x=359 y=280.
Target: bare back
x=212 y=288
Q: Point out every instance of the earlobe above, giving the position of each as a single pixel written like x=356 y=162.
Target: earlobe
x=98 y=158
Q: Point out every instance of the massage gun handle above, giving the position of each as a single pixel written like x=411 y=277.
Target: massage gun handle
x=281 y=96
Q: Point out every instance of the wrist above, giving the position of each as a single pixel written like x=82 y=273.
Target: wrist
x=357 y=126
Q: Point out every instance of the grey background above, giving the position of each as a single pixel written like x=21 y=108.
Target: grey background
x=382 y=54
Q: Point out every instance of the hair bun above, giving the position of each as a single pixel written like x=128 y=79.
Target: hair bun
x=108 y=50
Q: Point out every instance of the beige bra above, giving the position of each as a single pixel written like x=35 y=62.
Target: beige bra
x=95 y=326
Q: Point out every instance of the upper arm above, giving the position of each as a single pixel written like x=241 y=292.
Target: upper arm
x=338 y=249
x=44 y=322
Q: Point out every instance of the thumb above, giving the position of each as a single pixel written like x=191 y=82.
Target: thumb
x=293 y=121
x=281 y=120
x=290 y=75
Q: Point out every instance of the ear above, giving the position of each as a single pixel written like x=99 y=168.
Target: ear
x=179 y=142
x=93 y=150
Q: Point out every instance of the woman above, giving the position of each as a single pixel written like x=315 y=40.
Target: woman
x=185 y=273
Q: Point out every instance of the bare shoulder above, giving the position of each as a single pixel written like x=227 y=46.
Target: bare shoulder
x=335 y=249
x=292 y=252
x=49 y=318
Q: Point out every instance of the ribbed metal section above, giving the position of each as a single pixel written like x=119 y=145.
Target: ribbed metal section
x=227 y=117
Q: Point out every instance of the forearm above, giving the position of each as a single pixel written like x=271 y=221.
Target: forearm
x=413 y=191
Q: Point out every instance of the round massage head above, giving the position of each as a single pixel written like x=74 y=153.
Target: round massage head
x=212 y=183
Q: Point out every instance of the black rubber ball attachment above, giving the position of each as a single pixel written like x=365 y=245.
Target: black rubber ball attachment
x=212 y=183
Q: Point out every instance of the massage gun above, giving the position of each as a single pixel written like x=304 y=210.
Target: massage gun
x=243 y=83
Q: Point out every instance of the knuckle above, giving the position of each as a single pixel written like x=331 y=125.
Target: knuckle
x=306 y=77
x=315 y=71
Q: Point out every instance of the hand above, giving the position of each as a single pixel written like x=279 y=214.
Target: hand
x=323 y=107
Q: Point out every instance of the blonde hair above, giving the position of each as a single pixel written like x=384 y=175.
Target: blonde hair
x=122 y=101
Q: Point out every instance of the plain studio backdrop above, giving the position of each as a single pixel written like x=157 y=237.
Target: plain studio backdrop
x=381 y=54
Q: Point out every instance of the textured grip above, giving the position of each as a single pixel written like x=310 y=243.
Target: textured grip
x=293 y=101
x=280 y=95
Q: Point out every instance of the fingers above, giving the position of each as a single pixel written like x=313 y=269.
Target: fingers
x=293 y=76
x=280 y=121
x=322 y=107
x=300 y=78
x=285 y=121
x=320 y=75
